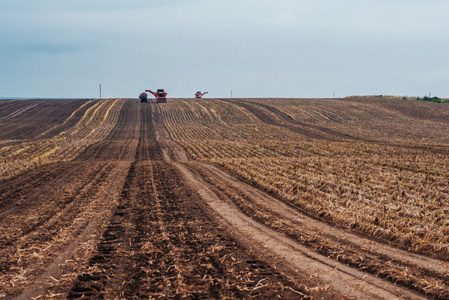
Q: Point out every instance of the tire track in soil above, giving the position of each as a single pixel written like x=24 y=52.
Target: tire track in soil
x=291 y=257
x=51 y=193
x=402 y=267
x=81 y=230
x=70 y=202
x=160 y=243
x=156 y=233
x=308 y=130
x=285 y=117
x=411 y=270
x=316 y=132
x=45 y=120
x=18 y=112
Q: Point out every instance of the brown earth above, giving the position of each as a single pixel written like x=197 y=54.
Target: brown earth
x=37 y=119
x=133 y=217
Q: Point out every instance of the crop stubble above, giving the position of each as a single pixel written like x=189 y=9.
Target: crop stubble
x=390 y=182
x=121 y=219
x=394 y=189
x=118 y=221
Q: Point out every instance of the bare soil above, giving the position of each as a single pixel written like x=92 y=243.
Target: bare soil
x=42 y=118
x=132 y=217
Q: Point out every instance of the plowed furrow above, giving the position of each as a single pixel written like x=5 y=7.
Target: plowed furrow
x=289 y=120
x=64 y=236
x=160 y=245
x=106 y=269
x=30 y=212
x=290 y=256
x=59 y=212
x=268 y=120
x=121 y=143
x=423 y=274
x=134 y=218
x=308 y=130
x=14 y=190
x=29 y=119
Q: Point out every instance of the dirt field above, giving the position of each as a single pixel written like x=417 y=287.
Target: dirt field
x=134 y=211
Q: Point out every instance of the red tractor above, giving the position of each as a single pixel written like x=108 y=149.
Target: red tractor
x=199 y=95
x=161 y=96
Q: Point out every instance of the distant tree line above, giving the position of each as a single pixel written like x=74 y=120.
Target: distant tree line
x=432 y=99
x=389 y=97
x=425 y=98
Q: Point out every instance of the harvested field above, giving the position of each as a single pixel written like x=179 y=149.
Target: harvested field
x=224 y=198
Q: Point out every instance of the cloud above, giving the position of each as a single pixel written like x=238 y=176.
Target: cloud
x=253 y=46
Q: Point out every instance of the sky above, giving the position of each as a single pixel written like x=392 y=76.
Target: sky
x=247 y=48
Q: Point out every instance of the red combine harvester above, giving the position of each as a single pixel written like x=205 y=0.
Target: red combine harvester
x=199 y=95
x=161 y=96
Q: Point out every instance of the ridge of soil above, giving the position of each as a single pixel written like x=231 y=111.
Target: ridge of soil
x=132 y=217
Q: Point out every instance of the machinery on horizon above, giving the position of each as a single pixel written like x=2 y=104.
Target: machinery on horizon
x=161 y=96
x=199 y=94
x=143 y=97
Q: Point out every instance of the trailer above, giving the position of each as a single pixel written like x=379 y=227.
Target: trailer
x=143 y=97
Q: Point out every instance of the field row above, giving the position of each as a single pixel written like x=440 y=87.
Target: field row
x=395 y=191
x=95 y=124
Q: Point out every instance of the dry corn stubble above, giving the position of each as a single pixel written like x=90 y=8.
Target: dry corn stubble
x=395 y=188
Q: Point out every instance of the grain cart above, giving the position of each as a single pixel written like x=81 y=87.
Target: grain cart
x=143 y=97
x=199 y=95
x=161 y=96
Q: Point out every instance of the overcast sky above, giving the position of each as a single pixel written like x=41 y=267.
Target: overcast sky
x=256 y=48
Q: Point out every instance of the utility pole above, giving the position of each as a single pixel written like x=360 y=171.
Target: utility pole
x=231 y=94
x=100 y=90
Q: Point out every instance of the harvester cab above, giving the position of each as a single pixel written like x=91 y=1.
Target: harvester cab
x=199 y=94
x=161 y=95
